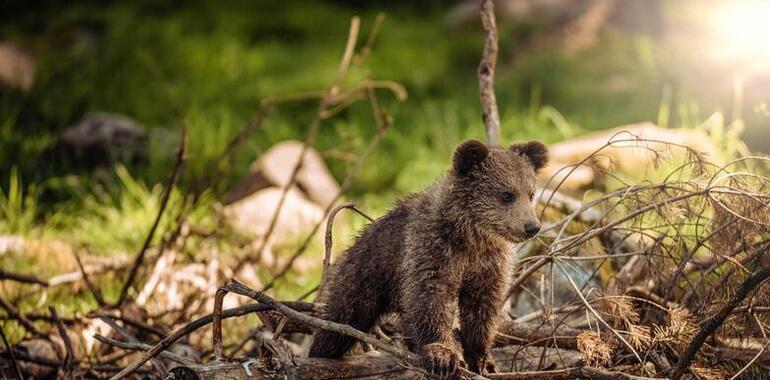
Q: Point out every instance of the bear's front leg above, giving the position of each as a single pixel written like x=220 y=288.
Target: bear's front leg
x=480 y=304
x=428 y=302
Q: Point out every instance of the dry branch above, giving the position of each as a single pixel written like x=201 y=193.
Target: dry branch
x=375 y=365
x=486 y=74
x=23 y=278
x=18 y=316
x=11 y=354
x=69 y=355
x=328 y=236
x=195 y=325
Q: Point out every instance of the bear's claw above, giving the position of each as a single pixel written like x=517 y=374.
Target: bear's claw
x=442 y=361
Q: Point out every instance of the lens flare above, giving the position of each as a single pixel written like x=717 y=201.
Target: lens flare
x=743 y=28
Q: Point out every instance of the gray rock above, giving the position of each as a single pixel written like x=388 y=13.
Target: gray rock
x=99 y=139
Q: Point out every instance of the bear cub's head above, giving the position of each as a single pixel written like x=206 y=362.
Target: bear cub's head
x=496 y=187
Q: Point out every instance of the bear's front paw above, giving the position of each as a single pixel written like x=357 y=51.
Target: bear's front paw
x=484 y=365
x=440 y=360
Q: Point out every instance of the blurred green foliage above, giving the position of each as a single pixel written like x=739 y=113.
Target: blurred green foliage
x=220 y=61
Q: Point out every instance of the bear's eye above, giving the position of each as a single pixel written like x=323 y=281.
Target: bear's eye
x=507 y=197
x=531 y=195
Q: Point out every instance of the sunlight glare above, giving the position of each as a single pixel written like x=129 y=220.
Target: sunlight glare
x=743 y=26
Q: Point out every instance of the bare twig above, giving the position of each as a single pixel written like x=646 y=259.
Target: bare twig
x=180 y=158
x=127 y=321
x=70 y=355
x=94 y=290
x=136 y=346
x=219 y=297
x=18 y=316
x=11 y=354
x=24 y=278
x=309 y=139
x=486 y=74
x=328 y=237
x=238 y=288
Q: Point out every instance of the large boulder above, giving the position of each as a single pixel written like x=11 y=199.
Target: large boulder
x=274 y=168
x=252 y=215
x=99 y=139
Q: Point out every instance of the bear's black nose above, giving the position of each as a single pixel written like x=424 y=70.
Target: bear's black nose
x=531 y=229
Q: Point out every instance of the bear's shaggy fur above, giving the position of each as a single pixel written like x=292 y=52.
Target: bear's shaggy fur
x=440 y=253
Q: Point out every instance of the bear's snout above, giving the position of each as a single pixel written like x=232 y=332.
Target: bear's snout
x=531 y=229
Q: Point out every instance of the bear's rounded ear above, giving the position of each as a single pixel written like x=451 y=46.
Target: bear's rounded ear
x=534 y=151
x=468 y=155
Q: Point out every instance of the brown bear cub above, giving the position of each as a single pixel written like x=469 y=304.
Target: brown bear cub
x=439 y=250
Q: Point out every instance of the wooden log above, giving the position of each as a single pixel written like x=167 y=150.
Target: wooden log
x=372 y=366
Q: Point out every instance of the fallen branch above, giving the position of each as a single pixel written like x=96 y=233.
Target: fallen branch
x=195 y=325
x=569 y=373
x=375 y=365
x=236 y=287
x=136 y=346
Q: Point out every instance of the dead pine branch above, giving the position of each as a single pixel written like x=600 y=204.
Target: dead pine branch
x=717 y=320
x=486 y=74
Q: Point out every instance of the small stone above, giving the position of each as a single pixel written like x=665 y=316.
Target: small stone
x=17 y=67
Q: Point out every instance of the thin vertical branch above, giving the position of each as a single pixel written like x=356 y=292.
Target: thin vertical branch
x=219 y=351
x=486 y=74
x=180 y=158
x=11 y=354
x=70 y=355
x=90 y=285
x=328 y=236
